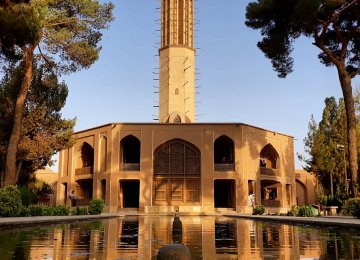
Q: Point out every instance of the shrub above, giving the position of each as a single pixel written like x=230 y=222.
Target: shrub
x=96 y=206
x=27 y=196
x=352 y=207
x=305 y=211
x=41 y=210
x=61 y=210
x=333 y=201
x=258 y=210
x=322 y=200
x=25 y=212
x=80 y=211
x=293 y=212
x=10 y=202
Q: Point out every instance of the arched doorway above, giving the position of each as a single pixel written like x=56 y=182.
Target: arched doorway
x=301 y=193
x=224 y=194
x=130 y=193
x=177 y=174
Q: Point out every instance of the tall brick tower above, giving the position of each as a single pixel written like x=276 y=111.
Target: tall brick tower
x=177 y=62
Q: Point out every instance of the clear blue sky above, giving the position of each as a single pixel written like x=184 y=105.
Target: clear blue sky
x=239 y=84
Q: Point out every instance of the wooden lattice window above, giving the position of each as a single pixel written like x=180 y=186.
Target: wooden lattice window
x=177 y=173
x=192 y=190
x=177 y=190
x=161 y=189
x=177 y=157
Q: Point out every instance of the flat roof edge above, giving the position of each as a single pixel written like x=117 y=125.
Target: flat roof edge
x=181 y=124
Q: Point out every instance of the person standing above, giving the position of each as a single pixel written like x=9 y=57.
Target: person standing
x=73 y=198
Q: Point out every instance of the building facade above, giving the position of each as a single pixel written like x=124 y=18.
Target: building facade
x=178 y=164
x=186 y=167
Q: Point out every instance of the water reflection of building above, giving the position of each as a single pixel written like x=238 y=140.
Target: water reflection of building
x=206 y=237
x=177 y=163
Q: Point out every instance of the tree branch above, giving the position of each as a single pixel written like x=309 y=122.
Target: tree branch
x=51 y=64
x=336 y=14
x=69 y=21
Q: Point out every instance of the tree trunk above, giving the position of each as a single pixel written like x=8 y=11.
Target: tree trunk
x=10 y=167
x=345 y=81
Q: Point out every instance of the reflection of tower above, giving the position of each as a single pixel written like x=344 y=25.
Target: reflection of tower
x=177 y=62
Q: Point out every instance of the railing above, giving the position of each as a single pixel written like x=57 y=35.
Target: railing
x=134 y=167
x=269 y=171
x=271 y=203
x=84 y=170
x=224 y=167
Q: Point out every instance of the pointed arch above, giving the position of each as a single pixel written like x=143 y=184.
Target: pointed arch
x=224 y=154
x=177 y=156
x=130 y=147
x=269 y=157
x=177 y=173
x=85 y=159
x=177 y=119
x=224 y=150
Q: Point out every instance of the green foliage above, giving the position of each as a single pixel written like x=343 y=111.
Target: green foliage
x=61 y=210
x=334 y=28
x=304 y=211
x=44 y=132
x=39 y=210
x=332 y=25
x=66 y=32
x=352 y=207
x=293 y=212
x=96 y=206
x=27 y=196
x=10 y=202
x=24 y=212
x=66 y=35
x=333 y=201
x=322 y=199
x=79 y=211
x=326 y=157
x=258 y=210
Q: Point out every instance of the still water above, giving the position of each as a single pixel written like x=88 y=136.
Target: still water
x=206 y=237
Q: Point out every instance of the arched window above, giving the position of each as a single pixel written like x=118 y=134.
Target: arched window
x=177 y=157
x=85 y=160
x=224 y=151
x=87 y=155
x=177 y=173
x=269 y=157
x=130 y=153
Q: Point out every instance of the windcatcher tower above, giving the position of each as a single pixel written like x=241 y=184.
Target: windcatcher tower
x=177 y=62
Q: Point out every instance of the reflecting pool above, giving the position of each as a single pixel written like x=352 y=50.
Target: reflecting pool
x=206 y=237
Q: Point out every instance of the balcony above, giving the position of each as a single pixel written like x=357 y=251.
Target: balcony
x=131 y=167
x=269 y=171
x=84 y=171
x=271 y=203
x=224 y=167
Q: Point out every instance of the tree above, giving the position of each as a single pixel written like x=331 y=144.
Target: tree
x=322 y=144
x=63 y=35
x=44 y=132
x=334 y=26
